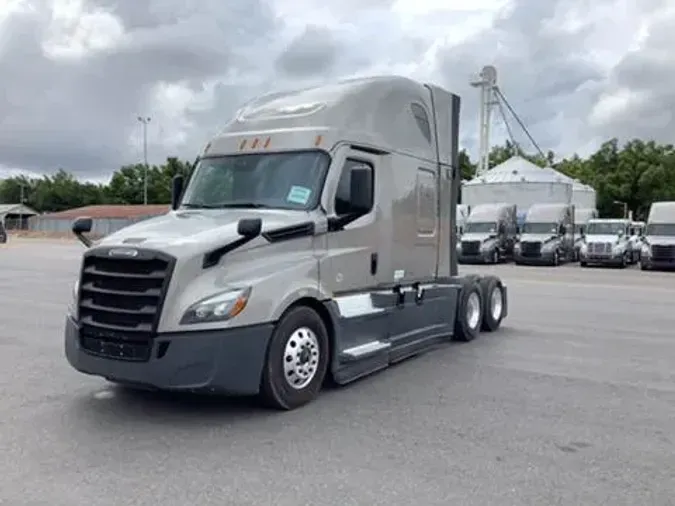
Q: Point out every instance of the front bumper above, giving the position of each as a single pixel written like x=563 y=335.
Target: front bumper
x=220 y=361
x=613 y=260
x=664 y=264
x=483 y=257
x=544 y=258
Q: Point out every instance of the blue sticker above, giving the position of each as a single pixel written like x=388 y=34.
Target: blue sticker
x=299 y=195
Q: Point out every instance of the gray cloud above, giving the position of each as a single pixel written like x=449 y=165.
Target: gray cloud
x=81 y=114
x=313 y=52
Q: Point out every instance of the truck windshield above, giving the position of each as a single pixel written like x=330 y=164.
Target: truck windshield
x=539 y=228
x=605 y=228
x=262 y=180
x=480 y=228
x=660 y=229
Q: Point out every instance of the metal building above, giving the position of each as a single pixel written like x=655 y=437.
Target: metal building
x=521 y=182
x=518 y=181
x=107 y=218
x=15 y=216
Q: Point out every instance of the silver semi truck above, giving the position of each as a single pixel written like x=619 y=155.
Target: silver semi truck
x=314 y=239
x=658 y=242
x=546 y=236
x=607 y=242
x=581 y=217
x=489 y=234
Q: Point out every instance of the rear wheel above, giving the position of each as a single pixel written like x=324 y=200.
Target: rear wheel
x=297 y=360
x=494 y=303
x=469 y=312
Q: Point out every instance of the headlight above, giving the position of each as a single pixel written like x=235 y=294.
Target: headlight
x=217 y=308
x=645 y=249
x=72 y=306
x=583 y=248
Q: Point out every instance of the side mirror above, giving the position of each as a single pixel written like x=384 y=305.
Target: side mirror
x=176 y=190
x=517 y=229
x=502 y=228
x=81 y=226
x=561 y=229
x=461 y=230
x=249 y=227
x=582 y=231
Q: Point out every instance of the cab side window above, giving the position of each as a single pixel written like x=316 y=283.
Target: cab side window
x=355 y=190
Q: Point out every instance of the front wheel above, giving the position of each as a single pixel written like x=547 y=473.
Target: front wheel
x=624 y=261
x=556 y=258
x=297 y=360
x=495 y=256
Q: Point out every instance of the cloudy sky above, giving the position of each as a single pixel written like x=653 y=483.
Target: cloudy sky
x=75 y=74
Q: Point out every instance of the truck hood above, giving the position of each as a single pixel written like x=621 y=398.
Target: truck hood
x=602 y=238
x=199 y=229
x=537 y=237
x=472 y=236
x=663 y=240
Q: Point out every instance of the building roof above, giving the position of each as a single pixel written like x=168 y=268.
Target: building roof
x=17 y=209
x=519 y=170
x=117 y=211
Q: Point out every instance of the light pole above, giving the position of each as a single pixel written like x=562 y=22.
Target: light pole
x=144 y=121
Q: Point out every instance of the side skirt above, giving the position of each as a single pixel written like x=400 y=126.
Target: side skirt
x=381 y=327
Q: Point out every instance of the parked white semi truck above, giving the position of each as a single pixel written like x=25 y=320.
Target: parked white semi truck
x=658 y=242
x=608 y=242
x=546 y=235
x=315 y=238
x=489 y=234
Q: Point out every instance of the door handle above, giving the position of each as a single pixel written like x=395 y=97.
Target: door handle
x=373 y=263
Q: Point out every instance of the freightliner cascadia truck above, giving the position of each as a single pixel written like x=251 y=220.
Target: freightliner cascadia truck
x=315 y=240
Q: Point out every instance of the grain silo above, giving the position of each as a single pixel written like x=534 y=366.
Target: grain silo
x=518 y=181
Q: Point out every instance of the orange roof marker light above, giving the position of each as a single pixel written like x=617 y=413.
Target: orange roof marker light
x=318 y=140
x=242 y=145
x=255 y=143
x=267 y=143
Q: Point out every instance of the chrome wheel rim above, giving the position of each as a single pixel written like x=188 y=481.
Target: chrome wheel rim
x=473 y=310
x=496 y=303
x=301 y=358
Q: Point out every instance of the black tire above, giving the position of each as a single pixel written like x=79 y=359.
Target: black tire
x=495 y=256
x=275 y=389
x=582 y=263
x=490 y=321
x=624 y=261
x=643 y=266
x=556 y=258
x=464 y=331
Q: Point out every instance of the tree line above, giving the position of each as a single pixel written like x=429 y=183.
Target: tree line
x=637 y=173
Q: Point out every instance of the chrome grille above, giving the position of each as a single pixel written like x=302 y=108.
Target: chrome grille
x=663 y=252
x=530 y=248
x=470 y=247
x=120 y=302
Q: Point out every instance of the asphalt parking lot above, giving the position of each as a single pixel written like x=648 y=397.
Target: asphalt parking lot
x=571 y=403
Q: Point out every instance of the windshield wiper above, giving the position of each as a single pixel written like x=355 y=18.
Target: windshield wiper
x=199 y=206
x=227 y=205
x=241 y=205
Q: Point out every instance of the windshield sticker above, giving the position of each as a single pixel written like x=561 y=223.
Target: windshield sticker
x=299 y=195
